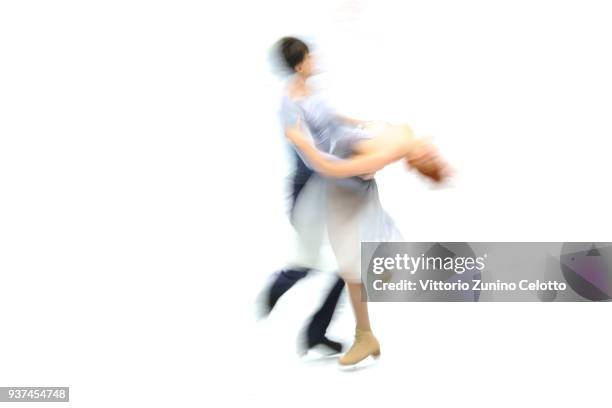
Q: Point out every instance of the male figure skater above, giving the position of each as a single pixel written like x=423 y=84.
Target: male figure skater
x=295 y=56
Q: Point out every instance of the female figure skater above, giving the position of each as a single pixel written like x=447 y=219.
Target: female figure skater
x=346 y=153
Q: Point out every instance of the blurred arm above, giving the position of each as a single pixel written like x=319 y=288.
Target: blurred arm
x=368 y=160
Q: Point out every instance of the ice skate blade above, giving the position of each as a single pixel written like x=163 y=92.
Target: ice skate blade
x=363 y=364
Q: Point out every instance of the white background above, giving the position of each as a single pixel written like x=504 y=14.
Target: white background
x=142 y=204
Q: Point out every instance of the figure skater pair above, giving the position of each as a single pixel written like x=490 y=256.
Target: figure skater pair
x=334 y=193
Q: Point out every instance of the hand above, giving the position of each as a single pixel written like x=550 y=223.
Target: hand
x=294 y=133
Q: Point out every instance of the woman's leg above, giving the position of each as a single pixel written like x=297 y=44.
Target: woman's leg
x=360 y=308
x=365 y=343
x=344 y=213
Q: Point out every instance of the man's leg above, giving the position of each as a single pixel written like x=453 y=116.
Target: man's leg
x=289 y=276
x=317 y=327
x=283 y=282
x=315 y=332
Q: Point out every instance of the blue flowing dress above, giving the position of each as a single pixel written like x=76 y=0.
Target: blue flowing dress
x=343 y=212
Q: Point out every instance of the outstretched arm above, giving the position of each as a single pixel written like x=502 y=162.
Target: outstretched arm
x=369 y=161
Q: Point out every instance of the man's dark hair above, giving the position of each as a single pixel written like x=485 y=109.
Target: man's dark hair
x=292 y=51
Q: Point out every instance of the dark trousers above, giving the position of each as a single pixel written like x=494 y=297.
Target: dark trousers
x=287 y=278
